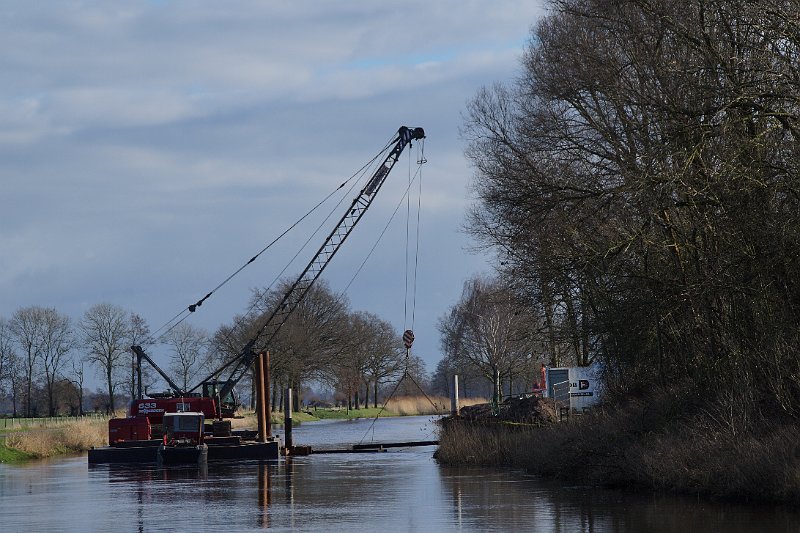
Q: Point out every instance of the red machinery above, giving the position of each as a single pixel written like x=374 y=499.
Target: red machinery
x=216 y=398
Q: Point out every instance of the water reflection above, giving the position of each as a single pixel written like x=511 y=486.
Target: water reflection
x=400 y=490
x=481 y=496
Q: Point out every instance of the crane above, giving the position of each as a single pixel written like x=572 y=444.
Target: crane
x=239 y=365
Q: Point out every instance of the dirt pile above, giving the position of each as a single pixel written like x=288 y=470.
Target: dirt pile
x=516 y=409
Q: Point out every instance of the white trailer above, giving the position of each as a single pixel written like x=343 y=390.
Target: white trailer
x=585 y=388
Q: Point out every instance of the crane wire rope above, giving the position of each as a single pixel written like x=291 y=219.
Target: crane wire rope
x=408 y=221
x=420 y=160
x=185 y=313
x=362 y=172
x=382 y=233
x=406 y=197
x=255 y=304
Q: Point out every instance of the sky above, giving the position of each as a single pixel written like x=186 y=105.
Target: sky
x=148 y=149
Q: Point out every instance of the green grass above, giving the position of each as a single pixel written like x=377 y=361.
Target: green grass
x=297 y=418
x=345 y=414
x=10 y=455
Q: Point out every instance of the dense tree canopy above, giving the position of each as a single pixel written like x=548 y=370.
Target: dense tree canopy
x=640 y=180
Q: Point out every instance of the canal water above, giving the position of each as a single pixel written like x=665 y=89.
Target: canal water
x=399 y=490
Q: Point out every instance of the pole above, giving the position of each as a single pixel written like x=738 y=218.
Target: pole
x=260 y=399
x=455 y=410
x=267 y=408
x=287 y=418
x=498 y=395
x=138 y=374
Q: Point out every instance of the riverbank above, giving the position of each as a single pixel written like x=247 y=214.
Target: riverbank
x=22 y=444
x=37 y=441
x=400 y=406
x=666 y=442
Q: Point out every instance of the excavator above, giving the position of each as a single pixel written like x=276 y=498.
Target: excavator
x=215 y=397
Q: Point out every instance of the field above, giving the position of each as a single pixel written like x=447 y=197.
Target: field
x=51 y=438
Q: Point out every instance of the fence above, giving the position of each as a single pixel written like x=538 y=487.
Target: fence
x=44 y=422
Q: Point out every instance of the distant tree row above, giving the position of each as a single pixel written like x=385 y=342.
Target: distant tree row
x=43 y=353
x=354 y=353
x=489 y=339
x=641 y=183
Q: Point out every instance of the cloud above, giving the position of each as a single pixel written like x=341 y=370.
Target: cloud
x=147 y=148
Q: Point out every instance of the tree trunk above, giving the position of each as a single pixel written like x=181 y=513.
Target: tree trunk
x=496 y=393
x=296 y=403
x=51 y=404
x=28 y=398
x=110 y=383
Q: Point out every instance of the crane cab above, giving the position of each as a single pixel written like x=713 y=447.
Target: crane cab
x=227 y=404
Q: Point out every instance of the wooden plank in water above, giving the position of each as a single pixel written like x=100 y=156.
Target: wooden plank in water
x=345 y=450
x=373 y=445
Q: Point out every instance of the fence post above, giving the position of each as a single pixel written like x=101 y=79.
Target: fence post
x=287 y=419
x=454 y=407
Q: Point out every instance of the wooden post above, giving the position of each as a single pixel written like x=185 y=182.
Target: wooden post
x=287 y=418
x=455 y=410
x=267 y=405
x=260 y=400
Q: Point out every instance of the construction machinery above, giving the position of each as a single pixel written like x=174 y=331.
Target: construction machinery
x=214 y=397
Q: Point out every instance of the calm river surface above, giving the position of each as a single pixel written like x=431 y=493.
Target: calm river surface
x=400 y=490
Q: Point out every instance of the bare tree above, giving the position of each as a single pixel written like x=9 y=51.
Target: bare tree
x=138 y=334
x=25 y=326
x=641 y=179
x=312 y=339
x=106 y=329
x=489 y=329
x=57 y=340
x=189 y=346
x=7 y=353
x=77 y=378
x=414 y=379
x=384 y=354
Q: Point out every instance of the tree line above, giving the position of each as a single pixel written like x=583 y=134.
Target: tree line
x=44 y=354
x=354 y=353
x=640 y=183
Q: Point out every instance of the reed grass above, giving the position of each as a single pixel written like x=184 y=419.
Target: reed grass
x=74 y=437
x=666 y=442
x=422 y=405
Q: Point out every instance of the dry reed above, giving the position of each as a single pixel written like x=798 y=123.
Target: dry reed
x=666 y=442
x=421 y=405
x=68 y=438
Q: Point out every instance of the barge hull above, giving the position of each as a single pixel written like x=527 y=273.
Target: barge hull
x=264 y=451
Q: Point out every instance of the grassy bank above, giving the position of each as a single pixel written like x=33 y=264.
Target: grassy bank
x=666 y=442
x=72 y=437
x=11 y=455
x=400 y=406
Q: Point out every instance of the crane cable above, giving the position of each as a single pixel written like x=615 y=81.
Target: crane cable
x=365 y=170
x=407 y=197
x=185 y=313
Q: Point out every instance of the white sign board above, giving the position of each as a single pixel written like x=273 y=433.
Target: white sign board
x=584 y=387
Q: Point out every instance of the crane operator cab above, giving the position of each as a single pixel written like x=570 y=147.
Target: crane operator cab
x=228 y=404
